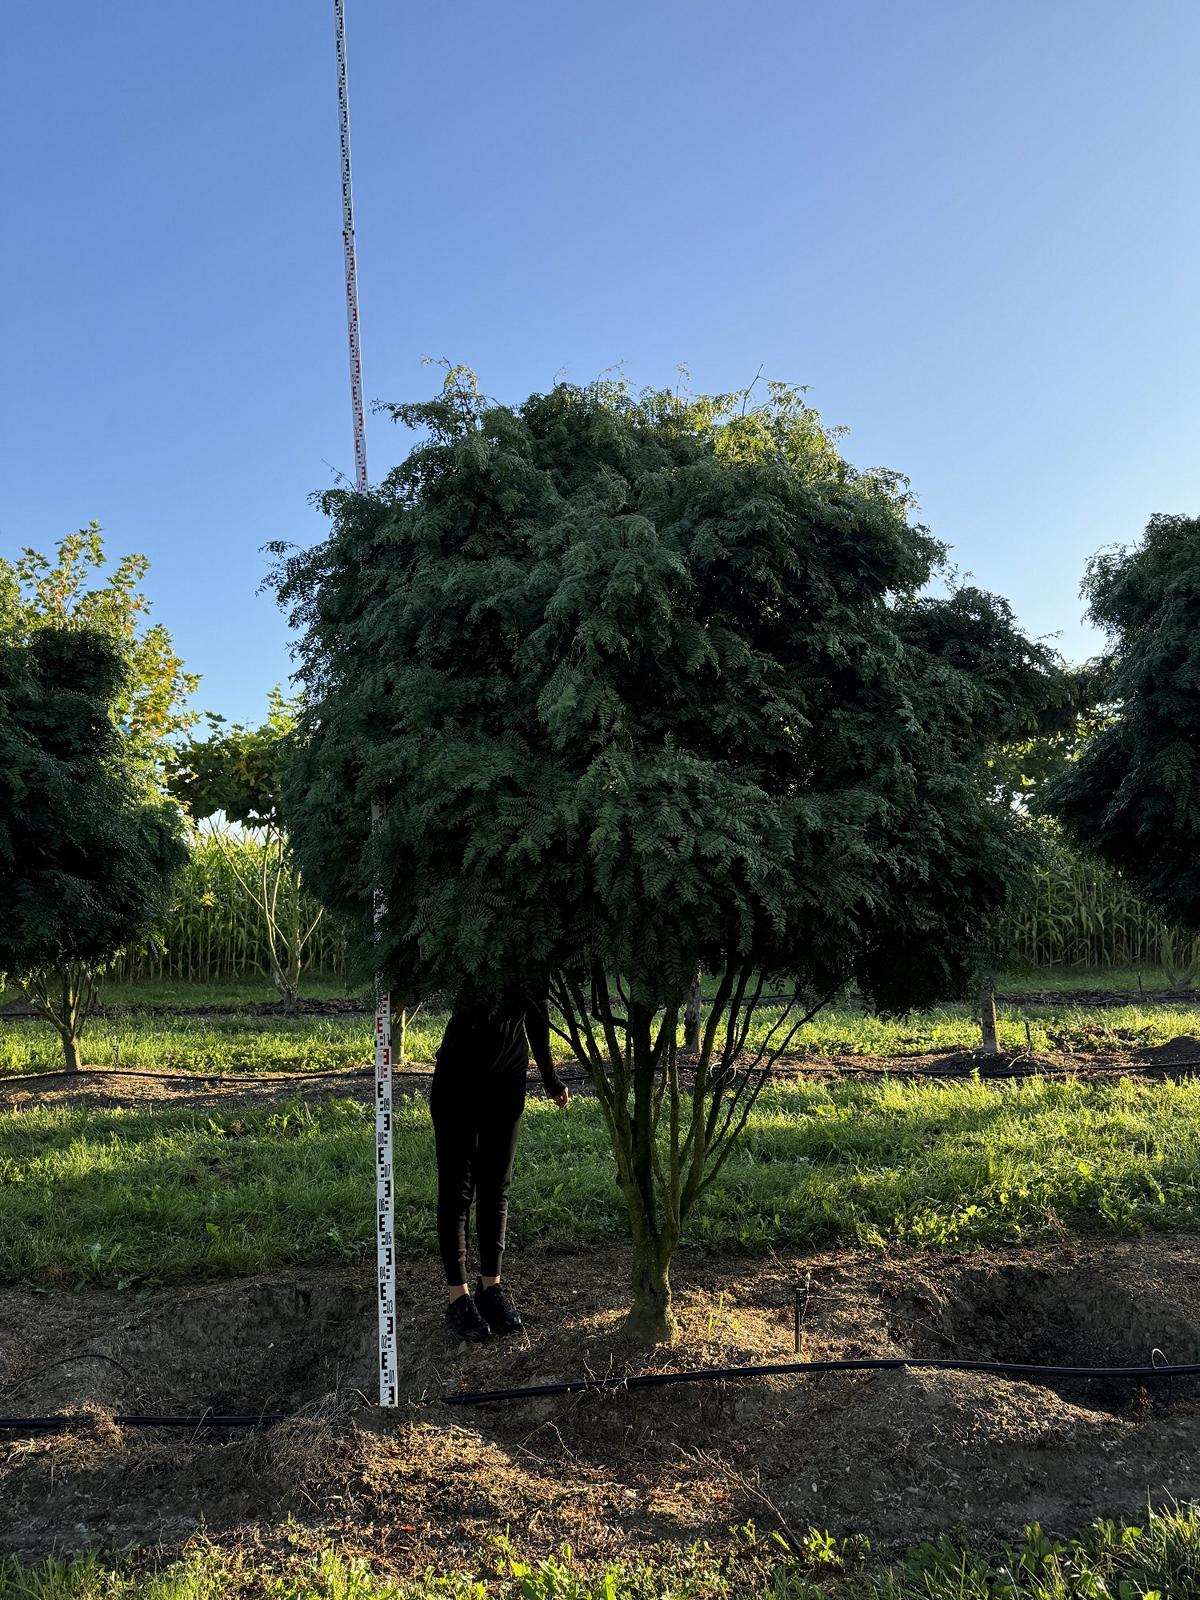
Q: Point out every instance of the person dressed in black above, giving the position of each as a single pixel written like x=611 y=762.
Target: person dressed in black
x=477 y=1099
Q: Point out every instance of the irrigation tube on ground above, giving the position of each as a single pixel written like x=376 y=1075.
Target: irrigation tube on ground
x=649 y=1380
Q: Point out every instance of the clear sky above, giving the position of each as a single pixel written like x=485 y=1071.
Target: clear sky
x=971 y=228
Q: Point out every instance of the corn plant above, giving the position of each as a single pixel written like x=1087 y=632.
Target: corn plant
x=1077 y=912
x=215 y=931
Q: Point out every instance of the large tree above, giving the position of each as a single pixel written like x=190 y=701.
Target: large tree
x=645 y=687
x=1133 y=794
x=87 y=852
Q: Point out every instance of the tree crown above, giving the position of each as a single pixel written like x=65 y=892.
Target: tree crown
x=39 y=591
x=646 y=681
x=86 y=855
x=1133 y=795
x=236 y=769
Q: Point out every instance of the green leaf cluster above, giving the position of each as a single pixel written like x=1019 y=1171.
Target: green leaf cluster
x=647 y=683
x=87 y=854
x=76 y=587
x=1133 y=796
x=236 y=770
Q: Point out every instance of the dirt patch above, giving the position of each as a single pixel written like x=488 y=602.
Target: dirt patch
x=1183 y=1051
x=101 y=1088
x=895 y=1454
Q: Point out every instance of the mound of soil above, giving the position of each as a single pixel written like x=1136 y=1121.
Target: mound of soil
x=898 y=1455
x=1183 y=1051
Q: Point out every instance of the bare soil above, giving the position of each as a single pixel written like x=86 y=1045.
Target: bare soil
x=897 y=1455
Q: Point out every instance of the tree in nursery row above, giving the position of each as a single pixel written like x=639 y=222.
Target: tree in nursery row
x=1133 y=795
x=649 y=684
x=88 y=849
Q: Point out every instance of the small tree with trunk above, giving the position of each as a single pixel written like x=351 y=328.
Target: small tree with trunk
x=1133 y=794
x=648 y=690
x=87 y=851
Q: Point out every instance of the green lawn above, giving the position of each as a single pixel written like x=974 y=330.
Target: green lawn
x=1125 y=980
x=123 y=1196
x=248 y=1043
x=1111 y=1561
x=167 y=993
x=233 y=1044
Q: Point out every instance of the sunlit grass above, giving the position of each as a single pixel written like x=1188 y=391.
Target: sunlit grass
x=1156 y=1560
x=247 y=1043
x=124 y=1196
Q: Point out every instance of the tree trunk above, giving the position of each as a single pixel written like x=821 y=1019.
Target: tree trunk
x=650 y=1320
x=691 y=1020
x=987 y=1019
x=71 y=1050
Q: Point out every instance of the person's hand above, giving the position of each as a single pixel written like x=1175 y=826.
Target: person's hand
x=561 y=1098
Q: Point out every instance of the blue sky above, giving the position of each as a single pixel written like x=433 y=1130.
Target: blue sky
x=972 y=229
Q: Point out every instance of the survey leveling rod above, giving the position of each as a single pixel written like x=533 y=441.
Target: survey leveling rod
x=385 y=1232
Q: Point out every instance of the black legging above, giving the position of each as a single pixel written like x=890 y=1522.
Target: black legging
x=476 y=1123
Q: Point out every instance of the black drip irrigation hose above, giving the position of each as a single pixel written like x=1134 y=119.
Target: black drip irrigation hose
x=1156 y=1372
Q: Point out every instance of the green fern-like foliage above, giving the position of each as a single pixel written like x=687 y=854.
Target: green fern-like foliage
x=646 y=686
x=1133 y=795
x=87 y=851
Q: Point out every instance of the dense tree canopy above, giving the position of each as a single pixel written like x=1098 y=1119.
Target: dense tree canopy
x=76 y=586
x=645 y=681
x=1133 y=795
x=86 y=853
x=646 y=687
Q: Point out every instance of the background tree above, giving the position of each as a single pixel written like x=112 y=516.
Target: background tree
x=234 y=776
x=1039 y=720
x=1044 y=745
x=647 y=688
x=87 y=853
x=1133 y=794
x=73 y=586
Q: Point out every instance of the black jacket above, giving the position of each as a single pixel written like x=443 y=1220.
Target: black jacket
x=499 y=1033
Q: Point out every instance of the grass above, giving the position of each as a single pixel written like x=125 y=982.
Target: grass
x=166 y=992
x=248 y=1043
x=130 y=1198
x=1158 y=1560
x=1125 y=980
x=234 y=1044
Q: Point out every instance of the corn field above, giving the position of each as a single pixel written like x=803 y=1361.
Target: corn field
x=214 y=931
x=1077 y=913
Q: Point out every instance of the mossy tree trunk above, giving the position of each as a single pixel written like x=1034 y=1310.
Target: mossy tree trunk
x=670 y=1138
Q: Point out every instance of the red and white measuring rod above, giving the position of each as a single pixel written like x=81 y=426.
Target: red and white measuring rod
x=356 y=390
x=385 y=1230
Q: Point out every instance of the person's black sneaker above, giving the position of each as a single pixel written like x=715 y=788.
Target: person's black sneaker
x=464 y=1321
x=496 y=1307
